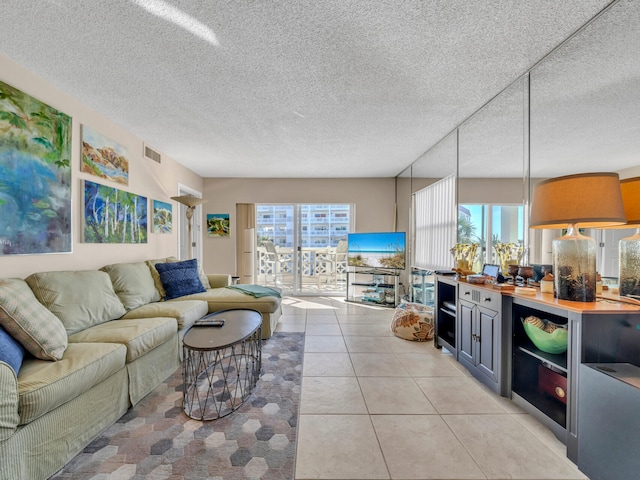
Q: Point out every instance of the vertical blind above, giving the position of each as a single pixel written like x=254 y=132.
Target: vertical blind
x=435 y=221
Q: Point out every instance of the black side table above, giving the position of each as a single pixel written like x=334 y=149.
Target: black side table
x=221 y=365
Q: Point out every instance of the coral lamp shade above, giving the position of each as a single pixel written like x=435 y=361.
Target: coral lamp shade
x=592 y=200
x=630 y=188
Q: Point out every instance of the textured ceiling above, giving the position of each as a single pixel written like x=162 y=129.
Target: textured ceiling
x=230 y=88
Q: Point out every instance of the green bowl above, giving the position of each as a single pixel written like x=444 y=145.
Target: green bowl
x=555 y=342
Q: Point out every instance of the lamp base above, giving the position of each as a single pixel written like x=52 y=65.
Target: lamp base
x=574 y=266
x=630 y=265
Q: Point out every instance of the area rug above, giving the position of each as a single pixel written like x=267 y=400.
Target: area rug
x=156 y=440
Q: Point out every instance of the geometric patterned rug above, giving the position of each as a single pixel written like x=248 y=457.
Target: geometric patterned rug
x=155 y=440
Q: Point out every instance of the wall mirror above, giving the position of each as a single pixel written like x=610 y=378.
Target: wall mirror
x=492 y=167
x=585 y=115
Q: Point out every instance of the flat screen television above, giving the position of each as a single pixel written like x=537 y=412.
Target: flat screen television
x=377 y=250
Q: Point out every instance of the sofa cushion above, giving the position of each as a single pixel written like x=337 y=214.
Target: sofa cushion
x=180 y=278
x=44 y=386
x=156 y=276
x=138 y=335
x=38 y=330
x=132 y=283
x=80 y=299
x=11 y=351
x=226 y=298
x=186 y=312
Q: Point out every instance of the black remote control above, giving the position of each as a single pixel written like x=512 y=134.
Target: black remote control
x=205 y=322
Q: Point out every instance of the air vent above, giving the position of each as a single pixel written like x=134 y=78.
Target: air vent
x=152 y=154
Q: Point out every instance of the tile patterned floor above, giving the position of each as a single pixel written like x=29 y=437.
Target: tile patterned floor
x=374 y=406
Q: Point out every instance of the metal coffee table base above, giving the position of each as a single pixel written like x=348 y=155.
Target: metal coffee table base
x=218 y=381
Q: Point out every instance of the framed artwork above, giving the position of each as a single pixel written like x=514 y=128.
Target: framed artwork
x=218 y=224
x=103 y=157
x=162 y=217
x=113 y=216
x=35 y=175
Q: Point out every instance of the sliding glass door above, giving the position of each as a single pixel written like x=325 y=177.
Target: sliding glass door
x=301 y=248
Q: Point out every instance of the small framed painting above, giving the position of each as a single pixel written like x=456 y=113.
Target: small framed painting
x=162 y=217
x=104 y=157
x=218 y=224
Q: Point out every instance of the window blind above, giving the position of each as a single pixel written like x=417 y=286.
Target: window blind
x=435 y=222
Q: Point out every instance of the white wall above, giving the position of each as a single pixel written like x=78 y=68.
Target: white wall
x=373 y=197
x=146 y=178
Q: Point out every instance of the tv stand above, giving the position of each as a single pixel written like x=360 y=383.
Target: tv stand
x=376 y=286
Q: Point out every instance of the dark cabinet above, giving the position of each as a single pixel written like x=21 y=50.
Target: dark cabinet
x=445 y=313
x=480 y=333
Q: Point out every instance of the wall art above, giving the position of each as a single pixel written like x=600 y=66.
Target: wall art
x=218 y=224
x=112 y=215
x=35 y=175
x=104 y=157
x=162 y=217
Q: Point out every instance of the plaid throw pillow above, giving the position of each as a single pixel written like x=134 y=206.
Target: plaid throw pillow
x=39 y=331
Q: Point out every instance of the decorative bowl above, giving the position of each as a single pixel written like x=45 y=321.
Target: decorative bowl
x=552 y=338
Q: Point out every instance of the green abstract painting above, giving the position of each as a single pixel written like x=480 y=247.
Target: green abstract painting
x=35 y=175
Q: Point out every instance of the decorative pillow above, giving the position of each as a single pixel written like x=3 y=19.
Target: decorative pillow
x=156 y=276
x=11 y=352
x=180 y=278
x=80 y=299
x=39 y=331
x=203 y=276
x=132 y=283
x=413 y=321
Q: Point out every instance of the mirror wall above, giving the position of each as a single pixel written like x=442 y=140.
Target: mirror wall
x=577 y=110
x=491 y=174
x=585 y=114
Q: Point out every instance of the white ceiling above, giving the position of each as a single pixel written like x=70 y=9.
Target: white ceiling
x=309 y=88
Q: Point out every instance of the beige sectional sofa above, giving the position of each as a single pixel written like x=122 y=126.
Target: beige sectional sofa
x=97 y=342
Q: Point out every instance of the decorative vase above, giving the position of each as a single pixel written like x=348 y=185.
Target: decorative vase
x=574 y=266
x=630 y=265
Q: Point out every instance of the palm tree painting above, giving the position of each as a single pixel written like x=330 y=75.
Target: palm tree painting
x=103 y=157
x=113 y=216
x=35 y=175
x=218 y=224
x=162 y=217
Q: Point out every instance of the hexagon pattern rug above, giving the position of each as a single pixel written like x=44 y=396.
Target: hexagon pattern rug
x=156 y=440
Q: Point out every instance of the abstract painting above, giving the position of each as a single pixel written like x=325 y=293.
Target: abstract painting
x=35 y=175
x=162 y=217
x=113 y=216
x=103 y=157
x=218 y=224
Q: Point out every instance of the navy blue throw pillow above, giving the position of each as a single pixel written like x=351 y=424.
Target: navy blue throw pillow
x=11 y=351
x=180 y=278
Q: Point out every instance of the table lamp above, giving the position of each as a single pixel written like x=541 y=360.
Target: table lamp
x=588 y=200
x=629 y=247
x=191 y=203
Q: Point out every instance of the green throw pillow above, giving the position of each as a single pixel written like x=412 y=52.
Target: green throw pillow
x=39 y=331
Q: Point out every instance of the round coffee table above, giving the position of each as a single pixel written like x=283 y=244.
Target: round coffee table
x=221 y=365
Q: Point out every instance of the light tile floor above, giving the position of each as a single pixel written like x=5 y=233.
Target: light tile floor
x=374 y=406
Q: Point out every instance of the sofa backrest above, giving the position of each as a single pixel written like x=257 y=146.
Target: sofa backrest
x=79 y=299
x=132 y=283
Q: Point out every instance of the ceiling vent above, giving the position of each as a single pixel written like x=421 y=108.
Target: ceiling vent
x=152 y=154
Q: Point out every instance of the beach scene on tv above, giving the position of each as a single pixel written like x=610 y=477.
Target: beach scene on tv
x=377 y=250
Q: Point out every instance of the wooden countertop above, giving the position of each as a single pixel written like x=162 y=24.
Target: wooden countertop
x=607 y=303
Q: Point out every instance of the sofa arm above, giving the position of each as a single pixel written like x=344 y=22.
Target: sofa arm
x=9 y=417
x=217 y=280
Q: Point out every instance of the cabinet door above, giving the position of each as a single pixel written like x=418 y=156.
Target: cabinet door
x=486 y=348
x=466 y=313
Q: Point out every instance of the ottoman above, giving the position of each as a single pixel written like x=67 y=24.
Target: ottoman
x=413 y=321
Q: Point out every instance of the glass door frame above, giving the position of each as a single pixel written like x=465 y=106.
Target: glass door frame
x=312 y=269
